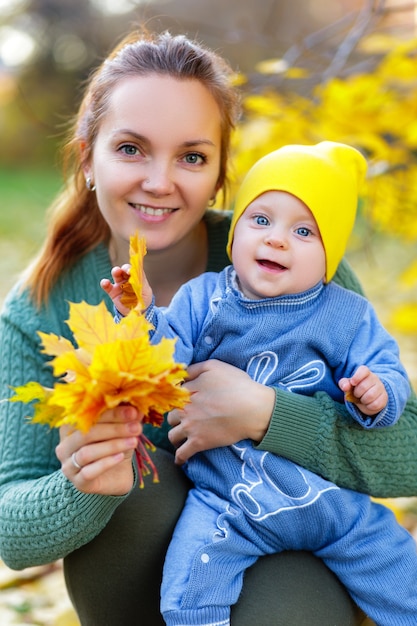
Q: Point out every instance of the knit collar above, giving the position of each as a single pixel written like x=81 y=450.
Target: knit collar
x=294 y=299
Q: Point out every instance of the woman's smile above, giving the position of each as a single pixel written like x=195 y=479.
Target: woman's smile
x=150 y=211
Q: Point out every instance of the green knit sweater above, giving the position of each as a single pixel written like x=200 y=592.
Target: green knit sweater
x=43 y=517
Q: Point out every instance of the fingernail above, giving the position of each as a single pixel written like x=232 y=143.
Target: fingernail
x=134 y=427
x=129 y=412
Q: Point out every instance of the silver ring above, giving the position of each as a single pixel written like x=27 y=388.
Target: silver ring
x=75 y=463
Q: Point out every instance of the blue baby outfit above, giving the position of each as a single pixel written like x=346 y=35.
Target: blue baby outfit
x=247 y=502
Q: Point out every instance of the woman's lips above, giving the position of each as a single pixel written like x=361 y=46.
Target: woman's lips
x=153 y=211
x=152 y=214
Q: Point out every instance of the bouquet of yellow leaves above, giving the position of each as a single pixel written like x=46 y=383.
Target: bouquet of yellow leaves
x=113 y=364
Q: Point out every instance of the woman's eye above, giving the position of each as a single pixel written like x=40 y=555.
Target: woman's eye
x=194 y=158
x=261 y=220
x=129 y=150
x=304 y=232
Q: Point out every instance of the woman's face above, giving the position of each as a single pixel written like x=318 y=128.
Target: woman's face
x=156 y=159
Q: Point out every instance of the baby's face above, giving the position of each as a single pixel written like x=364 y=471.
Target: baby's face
x=277 y=247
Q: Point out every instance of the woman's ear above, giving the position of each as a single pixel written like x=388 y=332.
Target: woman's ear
x=219 y=185
x=85 y=154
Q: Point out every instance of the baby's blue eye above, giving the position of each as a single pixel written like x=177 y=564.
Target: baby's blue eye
x=304 y=232
x=261 y=220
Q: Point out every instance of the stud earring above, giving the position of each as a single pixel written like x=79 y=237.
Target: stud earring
x=89 y=184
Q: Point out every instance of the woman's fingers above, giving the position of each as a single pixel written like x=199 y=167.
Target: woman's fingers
x=225 y=406
x=100 y=461
x=90 y=453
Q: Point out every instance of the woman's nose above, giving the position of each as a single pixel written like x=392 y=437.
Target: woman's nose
x=158 y=181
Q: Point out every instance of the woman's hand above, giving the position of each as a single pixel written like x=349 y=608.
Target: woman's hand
x=226 y=405
x=104 y=454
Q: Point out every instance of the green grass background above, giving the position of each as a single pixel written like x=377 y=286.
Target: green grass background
x=24 y=198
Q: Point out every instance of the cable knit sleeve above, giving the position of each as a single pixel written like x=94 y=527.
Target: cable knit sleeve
x=42 y=516
x=318 y=433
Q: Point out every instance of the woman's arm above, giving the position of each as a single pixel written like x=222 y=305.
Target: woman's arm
x=319 y=434
x=315 y=432
x=43 y=515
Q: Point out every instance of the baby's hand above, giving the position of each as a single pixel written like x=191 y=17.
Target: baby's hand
x=366 y=390
x=120 y=277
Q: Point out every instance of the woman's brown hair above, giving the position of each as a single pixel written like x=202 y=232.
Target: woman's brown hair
x=76 y=224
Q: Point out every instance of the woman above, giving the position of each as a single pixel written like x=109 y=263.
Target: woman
x=149 y=150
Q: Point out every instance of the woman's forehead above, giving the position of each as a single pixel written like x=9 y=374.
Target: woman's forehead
x=154 y=104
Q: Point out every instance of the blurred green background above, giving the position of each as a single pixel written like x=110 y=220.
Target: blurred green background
x=24 y=196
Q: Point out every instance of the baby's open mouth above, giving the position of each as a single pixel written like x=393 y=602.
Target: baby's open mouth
x=271 y=265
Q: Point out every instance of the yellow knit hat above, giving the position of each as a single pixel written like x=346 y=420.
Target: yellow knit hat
x=327 y=177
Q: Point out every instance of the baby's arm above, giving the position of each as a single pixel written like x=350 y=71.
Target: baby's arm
x=366 y=390
x=115 y=290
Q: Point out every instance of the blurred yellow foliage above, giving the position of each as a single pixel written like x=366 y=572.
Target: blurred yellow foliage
x=375 y=111
x=404 y=318
x=409 y=276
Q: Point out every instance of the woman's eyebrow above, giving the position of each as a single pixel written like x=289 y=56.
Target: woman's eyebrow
x=128 y=131
x=197 y=142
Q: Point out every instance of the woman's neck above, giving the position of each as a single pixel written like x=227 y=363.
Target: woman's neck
x=167 y=270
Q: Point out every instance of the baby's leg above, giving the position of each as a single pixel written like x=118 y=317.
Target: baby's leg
x=376 y=559
x=205 y=562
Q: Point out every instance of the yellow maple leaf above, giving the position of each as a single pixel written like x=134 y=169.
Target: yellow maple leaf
x=132 y=289
x=113 y=364
x=35 y=392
